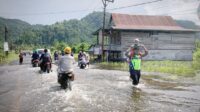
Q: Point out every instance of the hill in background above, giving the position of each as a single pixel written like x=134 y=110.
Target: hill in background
x=71 y=32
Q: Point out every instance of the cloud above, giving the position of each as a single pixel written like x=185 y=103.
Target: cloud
x=178 y=9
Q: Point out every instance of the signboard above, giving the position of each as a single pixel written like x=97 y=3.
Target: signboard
x=97 y=51
x=6 y=48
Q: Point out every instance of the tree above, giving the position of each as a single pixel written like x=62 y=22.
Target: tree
x=72 y=32
x=83 y=47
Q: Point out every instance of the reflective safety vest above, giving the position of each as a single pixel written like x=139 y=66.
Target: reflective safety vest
x=136 y=62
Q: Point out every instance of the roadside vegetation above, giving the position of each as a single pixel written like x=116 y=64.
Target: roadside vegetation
x=7 y=59
x=57 y=46
x=183 y=68
x=196 y=56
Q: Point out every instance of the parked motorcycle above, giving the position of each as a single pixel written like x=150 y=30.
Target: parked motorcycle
x=64 y=79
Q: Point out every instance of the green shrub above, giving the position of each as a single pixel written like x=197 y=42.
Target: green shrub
x=196 y=56
x=11 y=57
x=196 y=59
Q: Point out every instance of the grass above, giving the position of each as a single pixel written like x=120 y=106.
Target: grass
x=11 y=57
x=114 y=65
x=180 y=68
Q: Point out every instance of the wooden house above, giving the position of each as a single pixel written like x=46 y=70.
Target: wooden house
x=164 y=38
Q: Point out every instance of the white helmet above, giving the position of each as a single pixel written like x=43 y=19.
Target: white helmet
x=136 y=40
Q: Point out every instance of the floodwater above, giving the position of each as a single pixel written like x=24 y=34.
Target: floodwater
x=24 y=89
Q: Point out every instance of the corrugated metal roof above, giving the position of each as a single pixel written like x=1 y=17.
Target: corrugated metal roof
x=145 y=22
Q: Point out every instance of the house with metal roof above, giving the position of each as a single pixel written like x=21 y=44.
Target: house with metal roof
x=164 y=38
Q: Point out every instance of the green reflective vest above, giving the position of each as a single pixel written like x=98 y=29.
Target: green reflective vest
x=136 y=62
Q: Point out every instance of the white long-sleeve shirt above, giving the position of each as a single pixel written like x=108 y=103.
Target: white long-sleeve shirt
x=65 y=63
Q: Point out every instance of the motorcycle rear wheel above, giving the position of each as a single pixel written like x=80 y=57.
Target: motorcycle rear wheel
x=48 y=69
x=69 y=84
x=65 y=84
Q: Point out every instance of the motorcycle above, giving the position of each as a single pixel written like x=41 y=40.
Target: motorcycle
x=35 y=63
x=82 y=64
x=64 y=79
x=46 y=67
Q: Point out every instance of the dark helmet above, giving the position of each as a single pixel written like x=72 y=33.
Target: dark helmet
x=45 y=50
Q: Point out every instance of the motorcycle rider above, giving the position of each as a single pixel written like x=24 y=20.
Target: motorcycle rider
x=80 y=55
x=135 y=55
x=20 y=57
x=56 y=55
x=35 y=56
x=45 y=57
x=65 y=63
x=87 y=58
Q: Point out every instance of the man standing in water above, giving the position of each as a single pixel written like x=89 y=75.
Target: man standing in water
x=135 y=55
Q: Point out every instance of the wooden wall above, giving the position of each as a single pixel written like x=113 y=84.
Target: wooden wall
x=162 y=45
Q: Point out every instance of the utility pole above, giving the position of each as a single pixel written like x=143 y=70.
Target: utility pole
x=198 y=11
x=6 y=49
x=105 y=3
x=6 y=31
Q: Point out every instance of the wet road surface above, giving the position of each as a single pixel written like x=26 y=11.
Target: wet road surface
x=24 y=89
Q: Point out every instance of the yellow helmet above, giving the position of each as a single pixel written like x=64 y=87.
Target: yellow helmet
x=67 y=50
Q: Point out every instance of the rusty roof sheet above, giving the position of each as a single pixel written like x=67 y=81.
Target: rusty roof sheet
x=145 y=22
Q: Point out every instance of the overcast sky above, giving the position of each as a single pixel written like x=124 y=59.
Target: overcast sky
x=51 y=11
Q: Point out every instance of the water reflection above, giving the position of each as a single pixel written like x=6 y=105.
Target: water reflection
x=137 y=97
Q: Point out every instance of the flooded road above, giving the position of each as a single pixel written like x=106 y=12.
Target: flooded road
x=24 y=89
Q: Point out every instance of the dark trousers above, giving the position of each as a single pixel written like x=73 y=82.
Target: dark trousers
x=42 y=65
x=135 y=76
x=20 y=60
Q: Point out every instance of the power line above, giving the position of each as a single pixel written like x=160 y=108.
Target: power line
x=76 y=11
x=84 y=10
x=183 y=10
x=179 y=12
x=175 y=12
x=171 y=2
x=139 y=4
x=185 y=13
